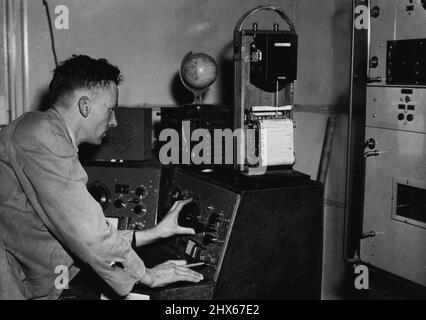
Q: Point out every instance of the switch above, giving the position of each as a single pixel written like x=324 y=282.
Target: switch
x=401 y=116
x=410 y=117
x=196 y=252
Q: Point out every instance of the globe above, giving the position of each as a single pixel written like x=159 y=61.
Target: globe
x=198 y=71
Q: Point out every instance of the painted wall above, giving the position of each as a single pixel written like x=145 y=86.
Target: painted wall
x=146 y=39
x=323 y=92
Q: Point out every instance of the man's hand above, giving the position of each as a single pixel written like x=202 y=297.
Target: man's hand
x=169 y=272
x=166 y=228
x=169 y=225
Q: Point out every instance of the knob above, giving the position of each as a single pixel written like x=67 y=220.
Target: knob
x=100 y=193
x=216 y=217
x=135 y=200
x=374 y=62
x=209 y=239
x=186 y=194
x=211 y=228
x=401 y=116
x=410 y=117
x=141 y=191
x=119 y=203
x=139 y=210
x=370 y=143
x=199 y=227
x=188 y=217
x=375 y=12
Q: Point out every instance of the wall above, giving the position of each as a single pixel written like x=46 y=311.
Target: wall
x=146 y=39
x=323 y=93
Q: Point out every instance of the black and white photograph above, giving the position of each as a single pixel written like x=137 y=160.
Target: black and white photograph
x=213 y=155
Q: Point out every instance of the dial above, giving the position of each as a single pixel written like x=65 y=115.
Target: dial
x=141 y=191
x=100 y=193
x=140 y=210
x=119 y=203
x=189 y=215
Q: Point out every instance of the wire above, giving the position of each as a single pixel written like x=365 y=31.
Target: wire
x=52 y=38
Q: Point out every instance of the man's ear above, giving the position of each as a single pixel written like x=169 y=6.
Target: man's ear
x=84 y=106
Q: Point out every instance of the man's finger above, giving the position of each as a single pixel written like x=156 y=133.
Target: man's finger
x=189 y=274
x=177 y=262
x=182 y=203
x=174 y=206
x=182 y=230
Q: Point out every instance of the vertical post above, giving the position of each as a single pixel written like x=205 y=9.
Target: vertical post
x=4 y=90
x=356 y=136
x=24 y=55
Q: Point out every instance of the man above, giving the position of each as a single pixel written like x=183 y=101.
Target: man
x=48 y=219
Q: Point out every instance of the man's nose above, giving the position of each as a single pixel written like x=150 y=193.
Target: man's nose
x=112 y=121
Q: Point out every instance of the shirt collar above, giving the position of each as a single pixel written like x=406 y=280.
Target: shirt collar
x=70 y=133
x=72 y=136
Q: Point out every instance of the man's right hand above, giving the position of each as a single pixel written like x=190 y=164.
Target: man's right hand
x=169 y=272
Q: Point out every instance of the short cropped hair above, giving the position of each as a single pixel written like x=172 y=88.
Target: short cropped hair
x=81 y=72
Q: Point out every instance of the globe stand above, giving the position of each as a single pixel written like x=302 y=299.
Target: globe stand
x=198 y=95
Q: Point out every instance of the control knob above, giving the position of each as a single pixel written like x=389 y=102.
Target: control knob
x=100 y=193
x=119 y=203
x=189 y=215
x=139 y=210
x=141 y=191
x=209 y=239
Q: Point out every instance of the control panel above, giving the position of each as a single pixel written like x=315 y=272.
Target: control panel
x=128 y=196
x=257 y=237
x=211 y=214
x=393 y=222
x=396 y=108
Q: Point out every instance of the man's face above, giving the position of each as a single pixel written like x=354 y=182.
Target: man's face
x=101 y=116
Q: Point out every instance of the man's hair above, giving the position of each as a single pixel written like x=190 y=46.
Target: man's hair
x=81 y=72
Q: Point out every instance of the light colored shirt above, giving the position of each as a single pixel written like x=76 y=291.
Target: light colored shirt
x=49 y=219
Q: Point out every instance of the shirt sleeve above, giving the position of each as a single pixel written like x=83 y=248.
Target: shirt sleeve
x=55 y=183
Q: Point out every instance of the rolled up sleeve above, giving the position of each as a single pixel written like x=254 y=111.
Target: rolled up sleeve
x=55 y=182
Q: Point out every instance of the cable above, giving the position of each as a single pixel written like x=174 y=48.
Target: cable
x=52 y=38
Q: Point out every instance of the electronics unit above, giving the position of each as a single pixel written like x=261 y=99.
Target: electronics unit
x=265 y=71
x=257 y=237
x=128 y=194
x=394 y=217
x=131 y=140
